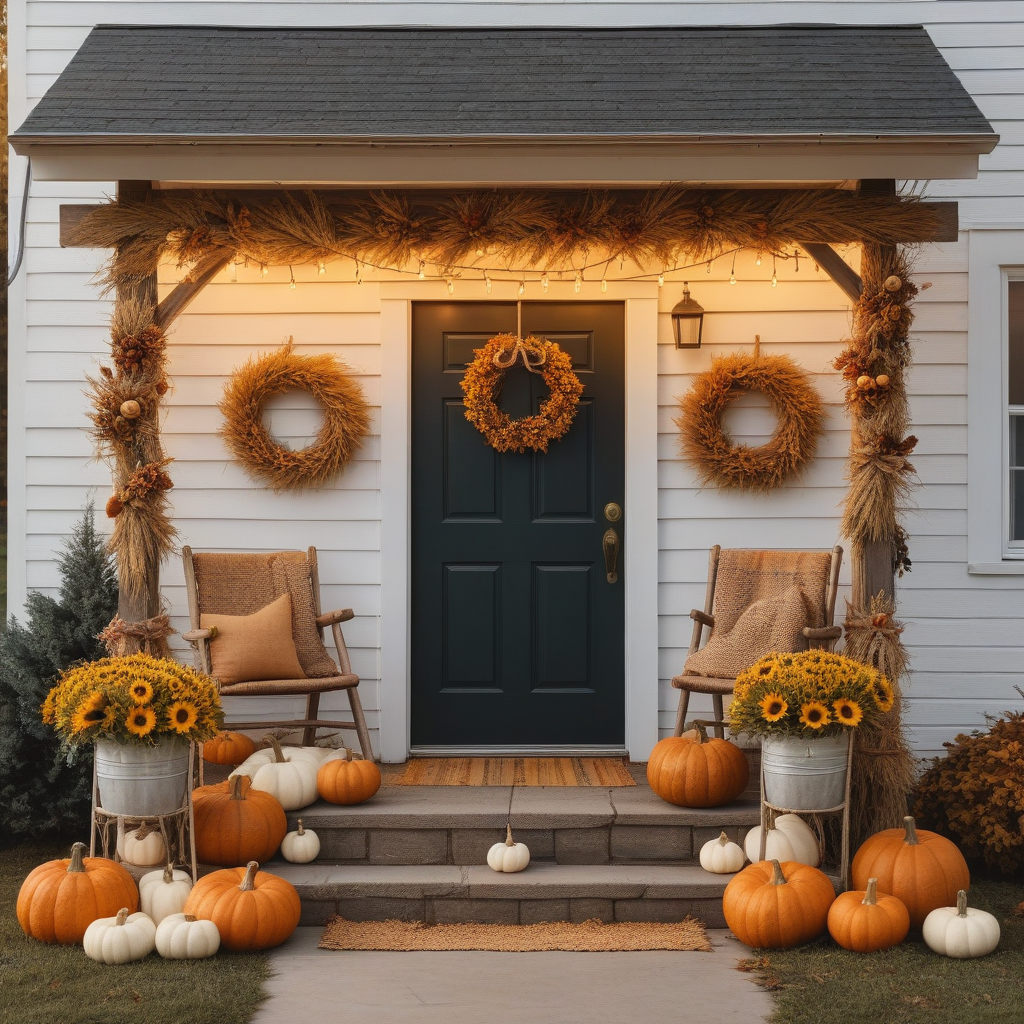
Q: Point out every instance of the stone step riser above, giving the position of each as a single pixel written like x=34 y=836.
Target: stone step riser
x=599 y=844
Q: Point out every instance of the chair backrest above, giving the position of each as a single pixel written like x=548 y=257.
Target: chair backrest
x=745 y=576
x=242 y=583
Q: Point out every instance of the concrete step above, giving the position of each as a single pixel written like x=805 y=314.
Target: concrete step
x=543 y=892
x=451 y=825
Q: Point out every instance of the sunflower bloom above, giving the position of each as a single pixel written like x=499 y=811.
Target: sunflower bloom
x=182 y=716
x=848 y=712
x=773 y=707
x=140 y=721
x=814 y=715
x=884 y=696
x=141 y=691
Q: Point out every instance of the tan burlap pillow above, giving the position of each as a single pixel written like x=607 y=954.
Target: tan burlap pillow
x=774 y=623
x=251 y=647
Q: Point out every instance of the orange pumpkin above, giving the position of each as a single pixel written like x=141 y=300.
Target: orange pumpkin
x=697 y=773
x=922 y=869
x=866 y=922
x=228 y=748
x=345 y=781
x=61 y=898
x=235 y=823
x=774 y=906
x=252 y=909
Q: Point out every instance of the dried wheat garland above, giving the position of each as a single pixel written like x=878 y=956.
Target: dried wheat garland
x=793 y=398
x=346 y=418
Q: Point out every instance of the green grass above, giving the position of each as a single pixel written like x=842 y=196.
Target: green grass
x=823 y=984
x=43 y=984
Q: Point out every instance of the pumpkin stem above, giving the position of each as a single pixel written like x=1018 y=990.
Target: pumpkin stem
x=169 y=873
x=302 y=831
x=236 y=788
x=509 y=841
x=77 y=865
x=249 y=882
x=778 y=878
x=348 y=753
x=702 y=733
x=122 y=916
x=278 y=752
x=871 y=895
x=911 y=826
x=190 y=918
x=723 y=839
x=961 y=904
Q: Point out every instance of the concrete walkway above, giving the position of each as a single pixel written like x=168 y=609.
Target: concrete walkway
x=535 y=988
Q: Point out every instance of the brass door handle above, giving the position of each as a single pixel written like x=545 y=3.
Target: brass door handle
x=610 y=543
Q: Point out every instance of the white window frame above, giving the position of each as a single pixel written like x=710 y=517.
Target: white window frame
x=996 y=258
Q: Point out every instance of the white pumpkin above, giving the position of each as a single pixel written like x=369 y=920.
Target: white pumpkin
x=721 y=856
x=144 y=852
x=791 y=839
x=509 y=855
x=164 y=892
x=185 y=937
x=300 y=846
x=961 y=931
x=292 y=781
x=120 y=939
x=267 y=755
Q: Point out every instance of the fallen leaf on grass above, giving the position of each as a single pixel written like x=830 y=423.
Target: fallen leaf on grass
x=756 y=963
x=924 y=1002
x=54 y=984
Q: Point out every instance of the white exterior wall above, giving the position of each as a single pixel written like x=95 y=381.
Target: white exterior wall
x=965 y=631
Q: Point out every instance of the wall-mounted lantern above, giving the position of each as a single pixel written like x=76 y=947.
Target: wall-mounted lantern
x=687 y=320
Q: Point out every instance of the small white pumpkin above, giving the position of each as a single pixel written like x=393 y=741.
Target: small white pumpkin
x=300 y=846
x=791 y=839
x=267 y=755
x=120 y=939
x=291 y=780
x=509 y=855
x=164 y=892
x=961 y=931
x=721 y=856
x=185 y=937
x=143 y=852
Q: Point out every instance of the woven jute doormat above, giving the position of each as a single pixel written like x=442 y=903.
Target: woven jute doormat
x=587 y=937
x=513 y=771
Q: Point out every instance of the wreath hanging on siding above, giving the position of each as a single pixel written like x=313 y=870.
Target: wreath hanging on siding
x=482 y=384
x=346 y=418
x=794 y=400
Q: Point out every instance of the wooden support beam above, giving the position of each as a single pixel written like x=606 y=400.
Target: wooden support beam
x=204 y=272
x=836 y=267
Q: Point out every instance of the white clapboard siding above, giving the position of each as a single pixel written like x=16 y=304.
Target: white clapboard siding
x=960 y=628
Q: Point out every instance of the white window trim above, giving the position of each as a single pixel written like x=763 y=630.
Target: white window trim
x=996 y=257
x=640 y=576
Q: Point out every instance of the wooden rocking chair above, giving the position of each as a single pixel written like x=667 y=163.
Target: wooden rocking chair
x=737 y=579
x=243 y=584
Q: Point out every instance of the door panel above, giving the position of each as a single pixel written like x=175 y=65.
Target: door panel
x=517 y=633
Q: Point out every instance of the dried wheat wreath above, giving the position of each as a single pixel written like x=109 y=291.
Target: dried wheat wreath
x=482 y=383
x=346 y=418
x=796 y=404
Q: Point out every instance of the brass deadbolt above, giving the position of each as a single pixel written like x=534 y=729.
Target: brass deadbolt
x=613 y=512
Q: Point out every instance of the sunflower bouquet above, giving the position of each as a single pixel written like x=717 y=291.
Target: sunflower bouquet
x=136 y=699
x=811 y=693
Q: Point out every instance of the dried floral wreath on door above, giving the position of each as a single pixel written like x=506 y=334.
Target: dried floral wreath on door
x=482 y=384
x=796 y=404
x=346 y=418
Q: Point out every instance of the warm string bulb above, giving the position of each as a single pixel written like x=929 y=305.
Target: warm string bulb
x=775 y=276
x=732 y=273
x=291 y=283
x=757 y=262
x=233 y=271
x=487 y=282
x=579 y=282
x=796 y=257
x=422 y=274
x=322 y=269
x=604 y=285
x=451 y=286
x=544 y=282
x=661 y=279
x=522 y=288
x=263 y=270
x=709 y=265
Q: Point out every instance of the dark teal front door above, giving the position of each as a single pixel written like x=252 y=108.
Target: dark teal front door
x=517 y=628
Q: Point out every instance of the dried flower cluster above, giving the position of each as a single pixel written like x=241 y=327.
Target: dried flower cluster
x=975 y=794
x=811 y=693
x=139 y=486
x=136 y=699
x=793 y=399
x=482 y=384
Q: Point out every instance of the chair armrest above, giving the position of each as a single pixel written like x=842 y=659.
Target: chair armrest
x=823 y=632
x=194 y=635
x=330 y=618
x=699 y=616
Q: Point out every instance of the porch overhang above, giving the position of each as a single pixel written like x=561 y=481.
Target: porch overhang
x=805 y=105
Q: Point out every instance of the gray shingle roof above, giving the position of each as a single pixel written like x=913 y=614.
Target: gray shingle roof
x=204 y=82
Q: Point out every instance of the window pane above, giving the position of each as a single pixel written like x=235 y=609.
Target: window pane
x=1017 y=477
x=1016 y=324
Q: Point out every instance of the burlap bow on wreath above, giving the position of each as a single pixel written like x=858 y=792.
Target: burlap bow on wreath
x=482 y=384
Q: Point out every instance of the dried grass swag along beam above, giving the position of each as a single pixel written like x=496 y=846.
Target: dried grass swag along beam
x=392 y=228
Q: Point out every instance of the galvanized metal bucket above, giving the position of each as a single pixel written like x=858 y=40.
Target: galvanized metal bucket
x=139 y=780
x=805 y=774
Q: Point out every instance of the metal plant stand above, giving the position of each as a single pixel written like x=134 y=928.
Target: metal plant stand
x=769 y=811
x=177 y=827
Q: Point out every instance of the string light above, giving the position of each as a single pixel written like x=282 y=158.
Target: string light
x=422 y=274
x=544 y=282
x=522 y=288
x=233 y=271
x=451 y=286
x=775 y=276
x=796 y=256
x=263 y=270
x=604 y=285
x=322 y=269
x=661 y=279
x=487 y=283
x=709 y=266
x=757 y=262
x=579 y=282
x=732 y=273
x=291 y=284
